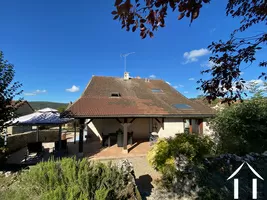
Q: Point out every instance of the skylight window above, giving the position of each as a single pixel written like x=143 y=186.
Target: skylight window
x=156 y=90
x=115 y=94
x=182 y=106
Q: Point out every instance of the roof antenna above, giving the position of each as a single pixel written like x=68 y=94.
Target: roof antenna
x=125 y=56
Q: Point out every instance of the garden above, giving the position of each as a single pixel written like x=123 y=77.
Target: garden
x=197 y=167
x=71 y=179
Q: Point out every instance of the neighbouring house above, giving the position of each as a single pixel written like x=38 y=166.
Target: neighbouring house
x=23 y=108
x=137 y=106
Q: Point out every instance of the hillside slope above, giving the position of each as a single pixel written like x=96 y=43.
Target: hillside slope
x=36 y=105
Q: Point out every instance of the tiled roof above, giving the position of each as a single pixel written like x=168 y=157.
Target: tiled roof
x=137 y=99
x=21 y=103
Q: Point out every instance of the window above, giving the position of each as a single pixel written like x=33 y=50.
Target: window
x=187 y=123
x=115 y=94
x=156 y=90
x=182 y=106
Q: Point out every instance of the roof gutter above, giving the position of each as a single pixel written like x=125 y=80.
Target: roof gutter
x=144 y=116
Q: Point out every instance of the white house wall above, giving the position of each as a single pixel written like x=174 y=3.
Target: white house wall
x=142 y=127
x=172 y=126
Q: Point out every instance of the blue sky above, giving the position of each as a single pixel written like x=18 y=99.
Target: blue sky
x=59 y=45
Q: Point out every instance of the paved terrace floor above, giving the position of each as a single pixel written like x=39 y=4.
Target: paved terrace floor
x=92 y=150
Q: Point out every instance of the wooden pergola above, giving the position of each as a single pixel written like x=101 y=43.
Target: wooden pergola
x=125 y=123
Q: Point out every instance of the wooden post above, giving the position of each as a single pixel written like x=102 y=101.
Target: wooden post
x=190 y=126
x=200 y=125
x=125 y=136
x=81 y=122
x=59 y=140
x=37 y=133
x=75 y=131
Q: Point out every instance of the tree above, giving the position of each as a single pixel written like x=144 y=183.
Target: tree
x=228 y=56
x=241 y=128
x=8 y=91
x=62 y=109
x=258 y=90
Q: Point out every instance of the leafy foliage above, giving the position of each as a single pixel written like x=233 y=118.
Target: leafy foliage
x=71 y=179
x=228 y=56
x=163 y=153
x=151 y=13
x=8 y=90
x=242 y=128
x=61 y=109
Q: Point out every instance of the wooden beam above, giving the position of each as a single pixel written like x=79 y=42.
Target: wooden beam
x=132 y=120
x=158 y=120
x=118 y=120
x=89 y=121
x=81 y=122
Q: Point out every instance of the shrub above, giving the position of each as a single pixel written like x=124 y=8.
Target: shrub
x=163 y=153
x=71 y=179
x=242 y=128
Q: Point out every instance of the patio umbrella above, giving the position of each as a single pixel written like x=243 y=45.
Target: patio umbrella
x=46 y=116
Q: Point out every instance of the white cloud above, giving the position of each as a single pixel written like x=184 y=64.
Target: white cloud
x=152 y=76
x=40 y=91
x=178 y=86
x=34 y=93
x=258 y=83
x=74 y=88
x=191 y=79
x=186 y=92
x=193 y=55
x=242 y=73
x=168 y=83
x=208 y=64
x=29 y=94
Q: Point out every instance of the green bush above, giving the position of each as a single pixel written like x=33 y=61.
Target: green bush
x=242 y=128
x=71 y=179
x=163 y=153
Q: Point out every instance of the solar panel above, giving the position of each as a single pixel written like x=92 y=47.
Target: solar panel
x=182 y=106
x=156 y=90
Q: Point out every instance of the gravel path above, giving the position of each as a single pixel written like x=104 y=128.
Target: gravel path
x=145 y=174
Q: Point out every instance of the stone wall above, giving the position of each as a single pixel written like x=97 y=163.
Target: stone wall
x=20 y=140
x=209 y=179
